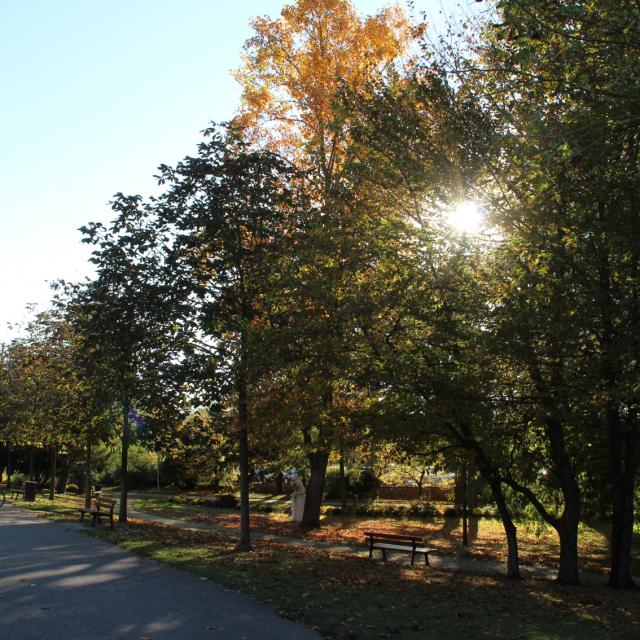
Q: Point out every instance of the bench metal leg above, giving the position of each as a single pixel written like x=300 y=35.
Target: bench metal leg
x=384 y=554
x=426 y=560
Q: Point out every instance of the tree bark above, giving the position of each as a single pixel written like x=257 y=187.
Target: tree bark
x=124 y=462
x=31 y=462
x=315 y=487
x=511 y=533
x=245 y=536
x=343 y=484
x=8 y=468
x=63 y=479
x=465 y=508
x=465 y=437
x=624 y=468
x=567 y=525
x=52 y=473
x=279 y=483
x=87 y=472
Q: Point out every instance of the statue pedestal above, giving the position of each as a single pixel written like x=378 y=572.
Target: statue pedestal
x=297 y=506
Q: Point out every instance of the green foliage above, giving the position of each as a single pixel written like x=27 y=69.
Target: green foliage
x=142 y=469
x=360 y=482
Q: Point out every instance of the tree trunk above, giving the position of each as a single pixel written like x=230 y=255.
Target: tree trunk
x=63 y=480
x=87 y=472
x=491 y=477
x=8 y=468
x=32 y=455
x=465 y=508
x=511 y=533
x=623 y=438
x=343 y=485
x=52 y=473
x=420 y=482
x=245 y=536
x=624 y=467
x=279 y=483
x=124 y=462
x=568 y=567
x=318 y=463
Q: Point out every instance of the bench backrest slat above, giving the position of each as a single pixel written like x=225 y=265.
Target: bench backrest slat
x=374 y=535
x=105 y=503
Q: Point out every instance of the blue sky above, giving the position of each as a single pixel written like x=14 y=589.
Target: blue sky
x=95 y=95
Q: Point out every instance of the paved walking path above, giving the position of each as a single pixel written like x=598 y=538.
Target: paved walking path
x=56 y=582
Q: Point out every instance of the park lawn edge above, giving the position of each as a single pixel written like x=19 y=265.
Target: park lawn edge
x=349 y=597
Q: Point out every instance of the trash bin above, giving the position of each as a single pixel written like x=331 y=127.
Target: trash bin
x=30 y=490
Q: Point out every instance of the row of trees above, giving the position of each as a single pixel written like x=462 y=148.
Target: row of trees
x=298 y=276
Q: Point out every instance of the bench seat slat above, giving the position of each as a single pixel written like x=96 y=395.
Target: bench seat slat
x=401 y=547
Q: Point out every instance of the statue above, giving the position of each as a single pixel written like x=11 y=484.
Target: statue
x=298 y=498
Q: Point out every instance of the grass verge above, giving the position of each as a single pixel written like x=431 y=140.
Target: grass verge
x=349 y=597
x=538 y=544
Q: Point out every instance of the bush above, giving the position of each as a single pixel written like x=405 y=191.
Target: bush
x=141 y=469
x=332 y=485
x=422 y=509
x=363 y=482
x=17 y=479
x=72 y=487
x=360 y=482
x=226 y=501
x=452 y=512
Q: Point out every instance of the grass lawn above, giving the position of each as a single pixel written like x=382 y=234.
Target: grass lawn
x=349 y=597
x=538 y=545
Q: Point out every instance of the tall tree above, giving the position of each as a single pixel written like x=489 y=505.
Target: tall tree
x=231 y=210
x=560 y=81
x=295 y=68
x=124 y=317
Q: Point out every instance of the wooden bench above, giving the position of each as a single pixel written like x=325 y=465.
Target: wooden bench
x=415 y=545
x=16 y=493
x=100 y=507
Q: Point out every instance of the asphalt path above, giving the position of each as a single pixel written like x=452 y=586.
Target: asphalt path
x=57 y=583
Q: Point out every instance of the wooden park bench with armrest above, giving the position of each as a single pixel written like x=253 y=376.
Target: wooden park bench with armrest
x=415 y=545
x=100 y=507
x=16 y=492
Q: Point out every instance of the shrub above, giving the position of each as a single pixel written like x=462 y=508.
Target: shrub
x=226 y=501
x=141 y=469
x=360 y=482
x=332 y=485
x=72 y=487
x=422 y=509
x=17 y=479
x=452 y=512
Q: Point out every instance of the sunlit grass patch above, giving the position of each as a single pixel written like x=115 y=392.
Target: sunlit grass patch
x=346 y=596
